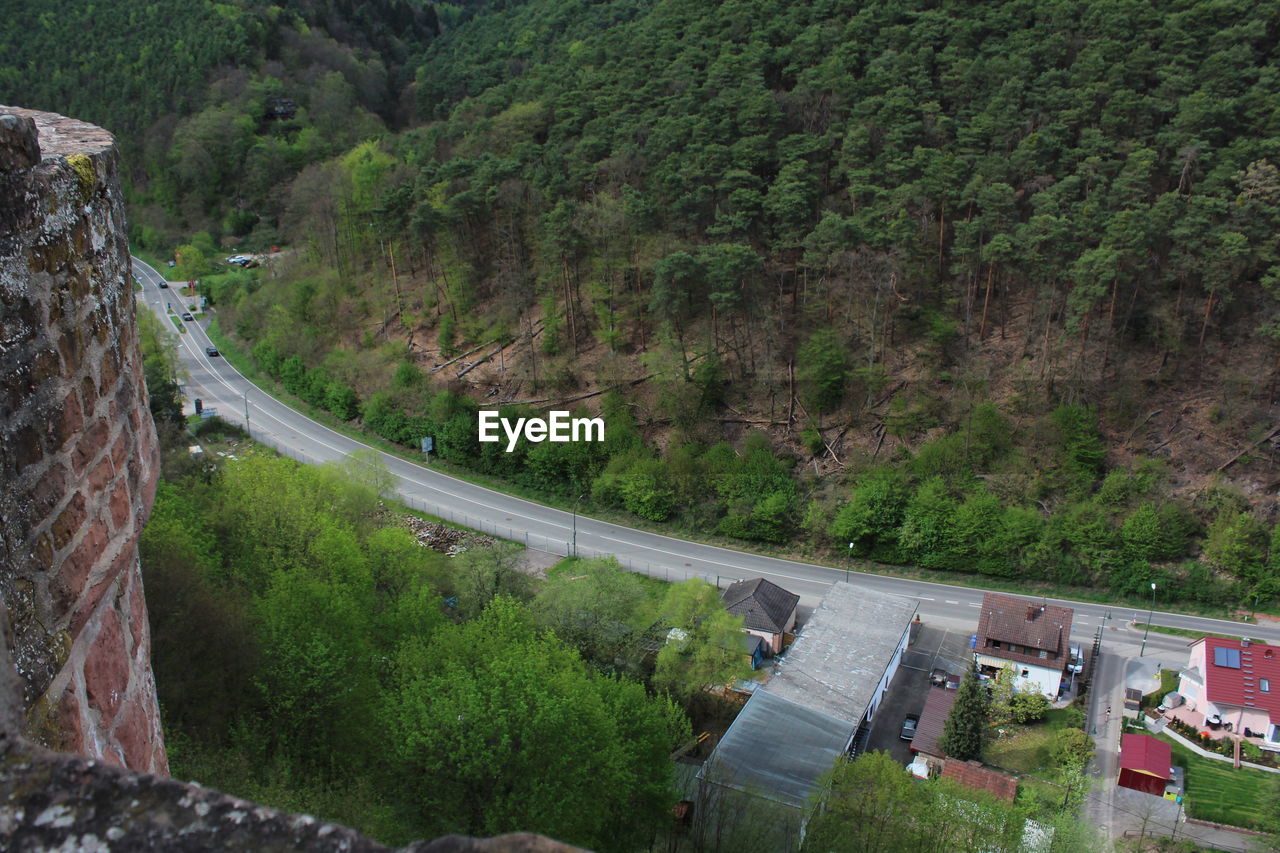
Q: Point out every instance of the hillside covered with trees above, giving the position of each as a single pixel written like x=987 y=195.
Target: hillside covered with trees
x=983 y=288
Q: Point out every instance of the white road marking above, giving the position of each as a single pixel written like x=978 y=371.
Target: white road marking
x=487 y=504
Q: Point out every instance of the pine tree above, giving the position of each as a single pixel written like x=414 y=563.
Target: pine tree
x=966 y=725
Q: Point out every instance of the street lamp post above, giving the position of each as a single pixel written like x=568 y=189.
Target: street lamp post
x=848 y=563
x=1143 y=650
x=246 y=414
x=574 y=547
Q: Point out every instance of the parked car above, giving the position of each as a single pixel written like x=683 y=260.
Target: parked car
x=212 y=352
x=186 y=315
x=909 y=727
x=240 y=260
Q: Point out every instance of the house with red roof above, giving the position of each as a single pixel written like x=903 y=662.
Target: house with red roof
x=1235 y=685
x=1146 y=764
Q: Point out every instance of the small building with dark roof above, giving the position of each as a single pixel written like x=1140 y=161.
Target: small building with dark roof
x=1145 y=764
x=937 y=707
x=767 y=610
x=1033 y=637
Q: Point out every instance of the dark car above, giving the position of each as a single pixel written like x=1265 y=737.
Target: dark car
x=909 y=727
x=186 y=315
x=164 y=285
x=211 y=351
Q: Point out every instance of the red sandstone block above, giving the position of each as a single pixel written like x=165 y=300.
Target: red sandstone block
x=72 y=415
x=93 y=441
x=28 y=450
x=88 y=394
x=69 y=522
x=88 y=603
x=134 y=735
x=75 y=569
x=70 y=346
x=108 y=371
x=121 y=507
x=69 y=720
x=120 y=451
x=101 y=475
x=137 y=604
x=49 y=490
x=106 y=667
x=45 y=365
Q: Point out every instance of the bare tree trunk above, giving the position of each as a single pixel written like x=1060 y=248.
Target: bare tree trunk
x=986 y=300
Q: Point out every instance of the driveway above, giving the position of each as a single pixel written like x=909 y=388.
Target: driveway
x=932 y=647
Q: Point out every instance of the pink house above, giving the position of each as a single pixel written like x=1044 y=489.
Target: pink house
x=1235 y=685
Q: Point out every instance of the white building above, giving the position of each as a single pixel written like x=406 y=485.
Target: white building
x=1033 y=638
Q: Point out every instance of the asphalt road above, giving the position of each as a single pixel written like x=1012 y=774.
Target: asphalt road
x=238 y=400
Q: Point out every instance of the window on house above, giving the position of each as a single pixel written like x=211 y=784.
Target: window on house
x=995 y=644
x=1043 y=654
x=1264 y=684
x=1026 y=673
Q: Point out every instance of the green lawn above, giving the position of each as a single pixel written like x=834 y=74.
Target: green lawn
x=1218 y=792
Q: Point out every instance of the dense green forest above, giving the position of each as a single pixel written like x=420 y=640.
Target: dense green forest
x=988 y=289
x=318 y=658
x=984 y=288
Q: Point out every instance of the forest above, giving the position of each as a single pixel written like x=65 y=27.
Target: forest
x=987 y=289
x=322 y=659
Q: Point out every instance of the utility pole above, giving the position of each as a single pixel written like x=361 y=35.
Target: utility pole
x=848 y=563
x=574 y=547
x=246 y=414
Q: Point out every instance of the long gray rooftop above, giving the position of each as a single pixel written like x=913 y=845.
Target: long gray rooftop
x=841 y=654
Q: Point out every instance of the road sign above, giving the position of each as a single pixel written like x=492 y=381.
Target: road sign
x=208 y=413
x=428 y=444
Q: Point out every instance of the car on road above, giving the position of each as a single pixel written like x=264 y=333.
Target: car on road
x=164 y=285
x=240 y=260
x=186 y=315
x=212 y=352
x=909 y=727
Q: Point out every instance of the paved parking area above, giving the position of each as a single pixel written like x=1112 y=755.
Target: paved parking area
x=931 y=648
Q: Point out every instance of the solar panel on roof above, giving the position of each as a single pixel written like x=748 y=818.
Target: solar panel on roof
x=1229 y=658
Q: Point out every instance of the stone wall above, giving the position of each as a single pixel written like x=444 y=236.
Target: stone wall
x=78 y=454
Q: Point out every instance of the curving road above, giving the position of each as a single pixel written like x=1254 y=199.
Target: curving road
x=238 y=400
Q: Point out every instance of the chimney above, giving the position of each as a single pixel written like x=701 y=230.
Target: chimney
x=1245 y=642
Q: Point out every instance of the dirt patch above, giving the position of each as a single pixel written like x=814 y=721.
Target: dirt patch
x=445 y=539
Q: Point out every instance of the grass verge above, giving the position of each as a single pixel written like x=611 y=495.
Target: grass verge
x=1185 y=632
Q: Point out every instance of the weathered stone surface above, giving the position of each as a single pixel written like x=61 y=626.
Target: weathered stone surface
x=78 y=456
x=51 y=801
